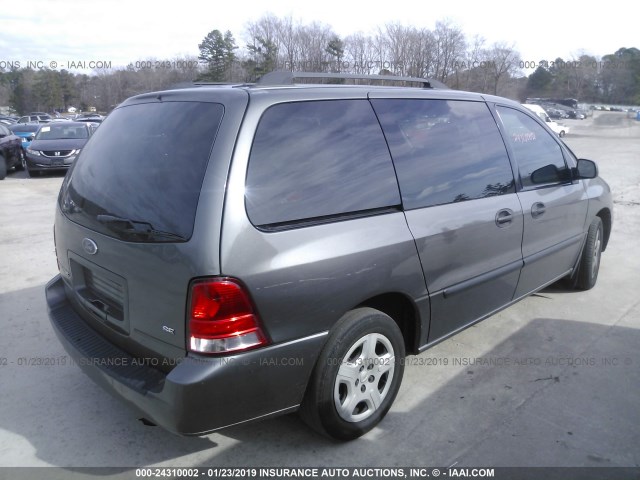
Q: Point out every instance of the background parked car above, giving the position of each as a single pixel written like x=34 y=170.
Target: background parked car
x=35 y=118
x=560 y=129
x=26 y=131
x=7 y=120
x=581 y=114
x=56 y=146
x=89 y=117
x=11 y=154
x=556 y=113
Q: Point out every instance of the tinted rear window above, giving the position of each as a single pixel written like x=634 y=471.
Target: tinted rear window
x=146 y=164
x=317 y=159
x=445 y=151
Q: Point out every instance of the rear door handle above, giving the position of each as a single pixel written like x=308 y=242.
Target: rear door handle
x=538 y=209
x=504 y=217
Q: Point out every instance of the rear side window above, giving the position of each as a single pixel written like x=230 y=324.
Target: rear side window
x=139 y=176
x=445 y=151
x=538 y=155
x=311 y=160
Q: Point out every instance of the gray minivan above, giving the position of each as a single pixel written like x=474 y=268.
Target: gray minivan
x=229 y=253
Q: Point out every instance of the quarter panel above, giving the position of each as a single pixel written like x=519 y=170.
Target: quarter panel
x=304 y=279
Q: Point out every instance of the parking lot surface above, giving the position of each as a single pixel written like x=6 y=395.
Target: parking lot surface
x=551 y=381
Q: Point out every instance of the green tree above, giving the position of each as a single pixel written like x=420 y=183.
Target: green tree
x=620 y=76
x=335 y=48
x=263 y=57
x=47 y=90
x=218 y=51
x=539 y=82
x=18 y=92
x=560 y=70
x=68 y=88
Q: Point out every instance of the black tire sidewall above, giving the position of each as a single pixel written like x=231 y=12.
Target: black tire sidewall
x=3 y=168
x=348 y=331
x=586 y=277
x=21 y=161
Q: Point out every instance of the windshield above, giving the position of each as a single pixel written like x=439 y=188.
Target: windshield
x=61 y=131
x=24 y=127
x=139 y=176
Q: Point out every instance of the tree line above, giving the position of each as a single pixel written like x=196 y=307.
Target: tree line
x=612 y=79
x=443 y=53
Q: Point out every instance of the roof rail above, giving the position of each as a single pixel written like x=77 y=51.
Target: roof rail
x=178 y=86
x=286 y=78
x=233 y=84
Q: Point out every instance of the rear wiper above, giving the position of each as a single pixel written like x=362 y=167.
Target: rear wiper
x=137 y=227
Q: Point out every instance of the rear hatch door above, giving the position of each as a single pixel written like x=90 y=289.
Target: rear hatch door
x=139 y=216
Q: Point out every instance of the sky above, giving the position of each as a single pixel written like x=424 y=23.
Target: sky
x=119 y=32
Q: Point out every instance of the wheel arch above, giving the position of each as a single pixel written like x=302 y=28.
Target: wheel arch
x=605 y=216
x=403 y=311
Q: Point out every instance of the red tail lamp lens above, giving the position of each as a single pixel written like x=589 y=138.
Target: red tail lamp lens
x=222 y=318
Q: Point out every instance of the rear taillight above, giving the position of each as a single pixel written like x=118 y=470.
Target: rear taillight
x=222 y=318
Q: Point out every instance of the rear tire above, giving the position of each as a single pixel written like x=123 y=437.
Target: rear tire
x=357 y=375
x=3 y=168
x=590 y=261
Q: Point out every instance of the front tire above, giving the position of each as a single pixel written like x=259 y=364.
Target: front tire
x=357 y=375
x=22 y=161
x=590 y=261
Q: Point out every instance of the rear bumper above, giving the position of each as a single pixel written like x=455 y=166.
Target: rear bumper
x=200 y=394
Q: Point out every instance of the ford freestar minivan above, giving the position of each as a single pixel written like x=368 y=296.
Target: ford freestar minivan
x=229 y=253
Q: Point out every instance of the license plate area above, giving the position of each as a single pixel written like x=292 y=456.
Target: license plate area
x=102 y=293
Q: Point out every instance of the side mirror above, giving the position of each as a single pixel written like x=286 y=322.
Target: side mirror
x=546 y=174
x=549 y=174
x=585 y=169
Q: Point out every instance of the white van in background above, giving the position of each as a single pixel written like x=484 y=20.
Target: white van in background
x=560 y=130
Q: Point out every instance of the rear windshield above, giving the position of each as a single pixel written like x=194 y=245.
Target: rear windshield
x=139 y=176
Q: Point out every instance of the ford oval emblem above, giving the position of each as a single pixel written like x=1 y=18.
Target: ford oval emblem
x=89 y=246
